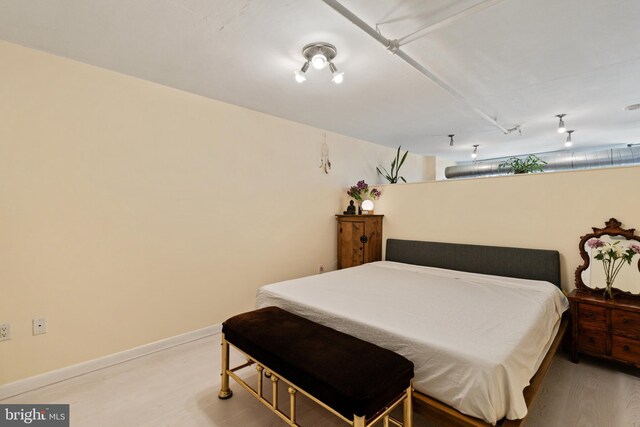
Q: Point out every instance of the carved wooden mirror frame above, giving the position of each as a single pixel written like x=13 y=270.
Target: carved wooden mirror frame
x=612 y=228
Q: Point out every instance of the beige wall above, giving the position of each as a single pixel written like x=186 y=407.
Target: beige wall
x=132 y=212
x=545 y=211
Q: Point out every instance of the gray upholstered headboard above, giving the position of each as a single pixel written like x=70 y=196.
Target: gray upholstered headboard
x=535 y=264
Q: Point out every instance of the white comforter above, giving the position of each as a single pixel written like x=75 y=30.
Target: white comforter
x=476 y=340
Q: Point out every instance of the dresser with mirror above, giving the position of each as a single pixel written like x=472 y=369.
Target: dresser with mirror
x=606 y=324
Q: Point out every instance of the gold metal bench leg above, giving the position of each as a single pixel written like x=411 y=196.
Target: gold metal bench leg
x=274 y=391
x=359 y=422
x=259 y=369
x=225 y=391
x=408 y=408
x=292 y=405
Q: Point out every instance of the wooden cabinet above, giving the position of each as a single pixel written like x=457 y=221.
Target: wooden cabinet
x=359 y=239
x=605 y=328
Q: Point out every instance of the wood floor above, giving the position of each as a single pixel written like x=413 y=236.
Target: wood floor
x=179 y=386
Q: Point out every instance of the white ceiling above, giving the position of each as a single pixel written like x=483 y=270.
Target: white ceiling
x=522 y=61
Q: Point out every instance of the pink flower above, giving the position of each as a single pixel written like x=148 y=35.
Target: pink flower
x=361 y=190
x=595 y=243
x=635 y=248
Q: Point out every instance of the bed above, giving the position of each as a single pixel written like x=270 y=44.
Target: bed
x=478 y=322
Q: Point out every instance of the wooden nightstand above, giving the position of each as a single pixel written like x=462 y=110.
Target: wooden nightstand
x=609 y=329
x=359 y=239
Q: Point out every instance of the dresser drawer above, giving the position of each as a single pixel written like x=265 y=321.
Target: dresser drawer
x=625 y=349
x=625 y=321
x=593 y=342
x=592 y=317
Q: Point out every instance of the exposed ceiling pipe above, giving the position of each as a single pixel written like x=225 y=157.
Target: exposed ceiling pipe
x=447 y=21
x=394 y=47
x=565 y=160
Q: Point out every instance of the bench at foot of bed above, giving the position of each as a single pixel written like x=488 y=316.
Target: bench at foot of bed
x=358 y=381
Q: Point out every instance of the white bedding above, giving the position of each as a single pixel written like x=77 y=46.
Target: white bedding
x=476 y=340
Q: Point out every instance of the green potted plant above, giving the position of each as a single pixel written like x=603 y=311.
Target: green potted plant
x=396 y=164
x=517 y=165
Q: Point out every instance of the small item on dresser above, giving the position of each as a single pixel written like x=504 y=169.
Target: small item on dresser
x=351 y=209
x=367 y=207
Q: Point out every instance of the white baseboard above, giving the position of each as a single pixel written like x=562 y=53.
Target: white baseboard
x=37 y=381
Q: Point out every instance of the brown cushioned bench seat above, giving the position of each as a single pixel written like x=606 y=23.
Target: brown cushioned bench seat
x=352 y=376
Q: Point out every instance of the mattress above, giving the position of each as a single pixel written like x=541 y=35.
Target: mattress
x=475 y=340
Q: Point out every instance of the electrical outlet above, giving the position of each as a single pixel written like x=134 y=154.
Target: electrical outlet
x=5 y=331
x=39 y=326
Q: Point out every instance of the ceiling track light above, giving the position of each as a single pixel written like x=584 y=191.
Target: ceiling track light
x=300 y=77
x=451 y=139
x=475 y=151
x=337 y=77
x=561 y=127
x=319 y=55
x=569 y=143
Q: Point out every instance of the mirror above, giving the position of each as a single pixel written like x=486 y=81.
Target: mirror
x=606 y=253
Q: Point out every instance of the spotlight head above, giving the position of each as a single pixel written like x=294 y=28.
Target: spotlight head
x=300 y=78
x=569 y=143
x=451 y=140
x=337 y=77
x=305 y=67
x=475 y=151
x=561 y=126
x=319 y=61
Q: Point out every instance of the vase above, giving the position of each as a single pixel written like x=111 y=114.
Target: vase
x=608 y=291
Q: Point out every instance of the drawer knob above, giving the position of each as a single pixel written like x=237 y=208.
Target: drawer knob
x=591 y=316
x=625 y=348
x=363 y=239
x=591 y=340
x=625 y=321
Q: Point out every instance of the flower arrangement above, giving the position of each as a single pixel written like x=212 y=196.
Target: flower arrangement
x=361 y=192
x=613 y=257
